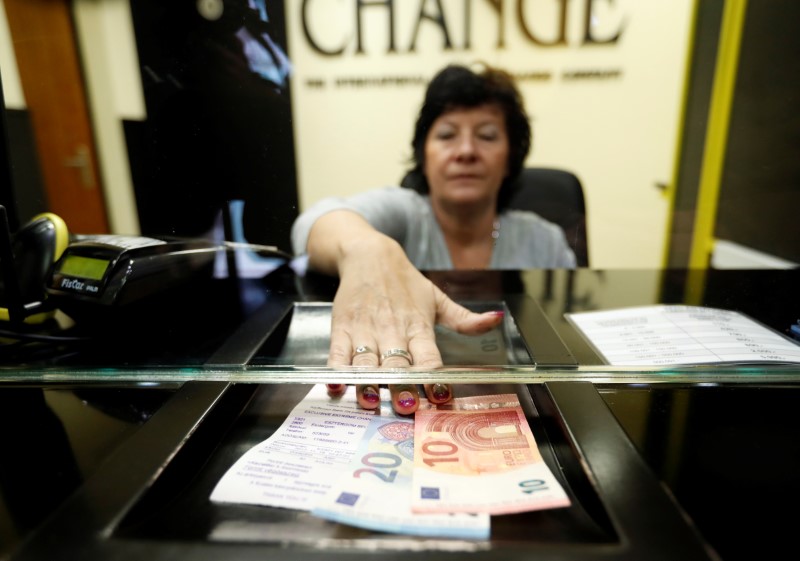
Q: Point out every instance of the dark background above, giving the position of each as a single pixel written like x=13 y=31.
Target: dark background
x=215 y=130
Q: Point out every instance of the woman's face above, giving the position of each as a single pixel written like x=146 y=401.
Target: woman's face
x=466 y=155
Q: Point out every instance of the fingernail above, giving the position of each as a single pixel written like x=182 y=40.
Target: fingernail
x=498 y=313
x=441 y=392
x=335 y=388
x=370 y=395
x=406 y=399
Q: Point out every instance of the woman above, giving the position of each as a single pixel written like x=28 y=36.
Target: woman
x=470 y=141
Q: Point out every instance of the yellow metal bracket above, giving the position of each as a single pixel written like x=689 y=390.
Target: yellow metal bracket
x=733 y=19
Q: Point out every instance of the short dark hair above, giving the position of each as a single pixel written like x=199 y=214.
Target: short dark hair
x=457 y=87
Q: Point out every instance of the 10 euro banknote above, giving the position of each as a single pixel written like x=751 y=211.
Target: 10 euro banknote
x=480 y=457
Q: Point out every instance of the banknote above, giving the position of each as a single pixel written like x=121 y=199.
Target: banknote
x=295 y=466
x=374 y=492
x=480 y=457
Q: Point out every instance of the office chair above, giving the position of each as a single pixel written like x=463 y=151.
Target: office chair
x=554 y=194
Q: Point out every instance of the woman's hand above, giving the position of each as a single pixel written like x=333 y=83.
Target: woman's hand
x=385 y=310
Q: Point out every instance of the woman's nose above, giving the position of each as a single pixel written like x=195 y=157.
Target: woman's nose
x=466 y=147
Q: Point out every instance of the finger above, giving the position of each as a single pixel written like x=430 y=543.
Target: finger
x=438 y=393
x=405 y=398
x=424 y=350
x=365 y=355
x=336 y=390
x=343 y=345
x=368 y=396
x=396 y=356
x=422 y=345
x=460 y=319
x=340 y=352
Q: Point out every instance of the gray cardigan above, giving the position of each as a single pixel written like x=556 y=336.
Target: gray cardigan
x=526 y=240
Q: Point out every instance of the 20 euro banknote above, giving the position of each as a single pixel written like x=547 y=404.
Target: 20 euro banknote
x=374 y=492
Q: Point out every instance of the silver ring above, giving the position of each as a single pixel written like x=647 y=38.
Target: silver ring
x=397 y=352
x=363 y=349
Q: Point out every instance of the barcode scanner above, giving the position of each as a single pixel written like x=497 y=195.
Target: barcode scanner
x=26 y=258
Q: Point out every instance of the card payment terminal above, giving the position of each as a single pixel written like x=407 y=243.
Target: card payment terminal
x=111 y=270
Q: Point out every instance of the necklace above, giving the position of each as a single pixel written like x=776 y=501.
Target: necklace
x=495 y=231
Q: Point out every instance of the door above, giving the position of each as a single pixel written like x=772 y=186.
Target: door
x=49 y=70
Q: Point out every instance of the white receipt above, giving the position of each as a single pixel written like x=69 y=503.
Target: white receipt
x=296 y=466
x=677 y=334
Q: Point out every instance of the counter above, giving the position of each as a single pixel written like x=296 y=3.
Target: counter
x=114 y=438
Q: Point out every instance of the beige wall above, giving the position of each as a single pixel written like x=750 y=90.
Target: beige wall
x=108 y=50
x=12 y=88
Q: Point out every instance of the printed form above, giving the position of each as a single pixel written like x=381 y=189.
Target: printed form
x=296 y=466
x=682 y=335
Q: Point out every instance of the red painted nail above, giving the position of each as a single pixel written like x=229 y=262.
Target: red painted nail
x=441 y=392
x=370 y=395
x=406 y=399
x=335 y=388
